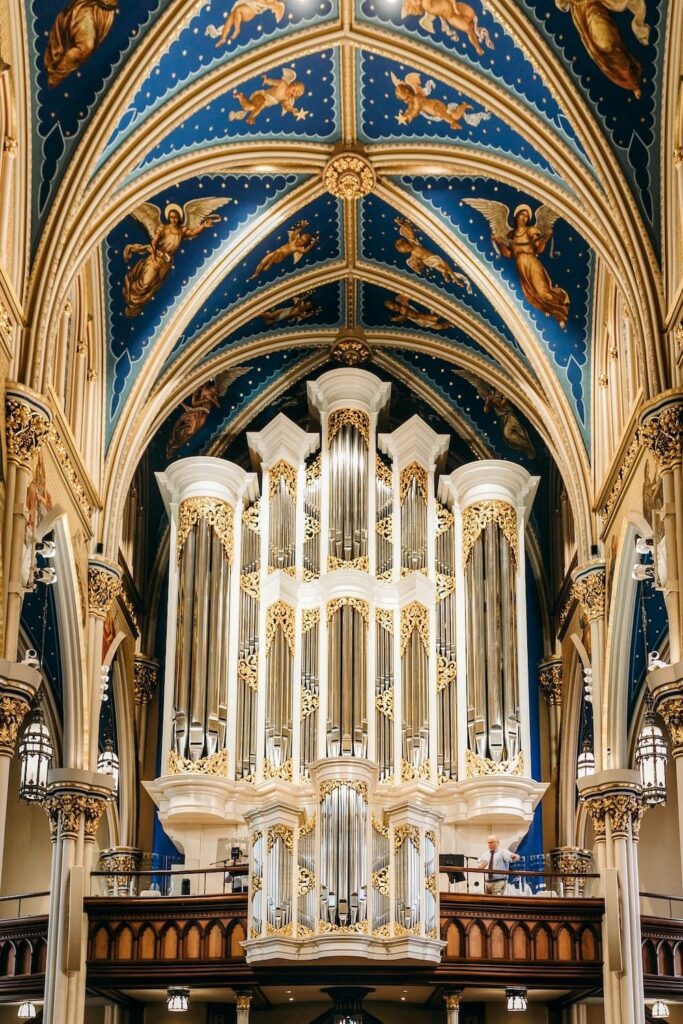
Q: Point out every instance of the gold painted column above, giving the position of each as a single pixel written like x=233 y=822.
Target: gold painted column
x=145 y=682
x=18 y=685
x=661 y=431
x=613 y=799
x=452 y=1001
x=27 y=422
x=74 y=804
x=243 y=1003
x=589 y=590
x=550 y=685
x=104 y=586
x=573 y=863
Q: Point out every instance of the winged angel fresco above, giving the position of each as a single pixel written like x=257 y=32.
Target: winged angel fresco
x=419 y=101
x=146 y=276
x=599 y=32
x=195 y=412
x=244 y=10
x=76 y=32
x=513 y=430
x=453 y=17
x=283 y=92
x=523 y=242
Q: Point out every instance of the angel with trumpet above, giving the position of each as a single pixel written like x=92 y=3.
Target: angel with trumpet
x=523 y=242
x=145 y=277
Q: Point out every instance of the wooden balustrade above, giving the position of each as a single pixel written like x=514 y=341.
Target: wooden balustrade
x=662 y=950
x=23 y=953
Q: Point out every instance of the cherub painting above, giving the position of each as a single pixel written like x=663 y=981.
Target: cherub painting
x=299 y=242
x=244 y=10
x=146 y=276
x=599 y=33
x=513 y=430
x=404 y=312
x=420 y=259
x=195 y=412
x=283 y=92
x=77 y=31
x=523 y=242
x=453 y=17
x=299 y=308
x=419 y=102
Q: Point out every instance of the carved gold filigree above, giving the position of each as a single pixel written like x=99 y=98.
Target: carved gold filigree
x=550 y=682
x=430 y=884
x=247 y=670
x=282 y=771
x=385 y=527
x=446 y=673
x=145 y=679
x=212 y=764
x=282 y=471
x=444 y=519
x=104 y=586
x=243 y=1001
x=403 y=832
x=417 y=473
x=445 y=585
x=329 y=786
x=416 y=771
x=622 y=473
x=288 y=570
x=249 y=583
x=380 y=828
x=383 y=471
x=306 y=881
x=285 y=833
x=26 y=430
x=414 y=617
x=348 y=417
x=255 y=883
x=256 y=837
x=400 y=929
x=671 y=710
x=384 y=702
x=476 y=765
x=431 y=836
x=477 y=517
x=217 y=513
x=280 y=616
x=359 y=928
x=384 y=618
x=310 y=575
x=61 y=453
x=65 y=811
x=116 y=863
x=5 y=325
x=380 y=881
x=386 y=575
x=351 y=351
x=383 y=932
x=303 y=932
x=313 y=470
x=589 y=591
x=12 y=713
x=311 y=527
x=452 y=1000
x=307 y=827
x=661 y=433
x=251 y=517
x=310 y=617
x=362 y=563
x=310 y=702
x=127 y=602
x=361 y=606
x=349 y=176
x=623 y=811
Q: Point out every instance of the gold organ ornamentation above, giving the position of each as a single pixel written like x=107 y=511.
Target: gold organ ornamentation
x=341 y=417
x=212 y=764
x=215 y=511
x=354 y=602
x=282 y=471
x=414 y=617
x=476 y=765
x=477 y=517
x=283 y=832
x=280 y=616
x=417 y=473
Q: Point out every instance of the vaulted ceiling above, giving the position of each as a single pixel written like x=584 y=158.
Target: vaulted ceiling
x=187 y=143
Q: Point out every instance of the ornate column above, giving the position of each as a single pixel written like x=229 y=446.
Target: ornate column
x=104 y=586
x=243 y=1004
x=116 y=860
x=575 y=861
x=661 y=430
x=18 y=686
x=666 y=686
x=614 y=801
x=27 y=421
x=74 y=804
x=589 y=590
x=550 y=685
x=452 y=1001
x=145 y=682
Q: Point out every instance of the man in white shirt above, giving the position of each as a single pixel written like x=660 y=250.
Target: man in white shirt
x=498 y=860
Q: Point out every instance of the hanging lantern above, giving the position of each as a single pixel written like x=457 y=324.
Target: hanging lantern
x=108 y=764
x=660 y=1010
x=27 y=1011
x=516 y=1000
x=585 y=764
x=651 y=757
x=35 y=758
x=178 y=1000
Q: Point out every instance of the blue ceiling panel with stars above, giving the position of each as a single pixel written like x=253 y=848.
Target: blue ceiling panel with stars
x=552 y=288
x=215 y=36
x=143 y=289
x=397 y=103
x=296 y=100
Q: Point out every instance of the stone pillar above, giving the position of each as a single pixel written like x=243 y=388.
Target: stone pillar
x=243 y=1004
x=74 y=804
x=18 y=686
x=27 y=422
x=120 y=858
x=614 y=801
x=666 y=686
x=589 y=590
x=661 y=431
x=145 y=682
x=452 y=1000
x=550 y=685
x=104 y=586
x=576 y=862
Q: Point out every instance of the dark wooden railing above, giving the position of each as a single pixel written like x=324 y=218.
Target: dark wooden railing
x=662 y=947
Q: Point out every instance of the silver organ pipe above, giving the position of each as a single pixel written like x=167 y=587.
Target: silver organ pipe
x=415 y=751
x=347 y=726
x=348 y=482
x=447 y=759
x=413 y=518
x=279 y=679
x=310 y=688
x=343 y=853
x=311 y=555
x=384 y=692
x=384 y=508
x=248 y=651
x=282 y=516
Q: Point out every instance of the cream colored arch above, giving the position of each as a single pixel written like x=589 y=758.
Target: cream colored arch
x=16 y=100
x=570 y=726
x=672 y=167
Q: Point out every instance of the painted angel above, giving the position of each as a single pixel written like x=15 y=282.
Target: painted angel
x=453 y=17
x=599 y=33
x=513 y=430
x=195 y=412
x=420 y=259
x=418 y=101
x=523 y=242
x=283 y=92
x=145 y=277
x=405 y=312
x=244 y=10
x=299 y=242
x=299 y=308
x=76 y=32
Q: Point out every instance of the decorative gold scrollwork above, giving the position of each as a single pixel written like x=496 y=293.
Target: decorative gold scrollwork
x=444 y=519
x=380 y=881
x=403 y=832
x=249 y=583
x=26 y=430
x=589 y=591
x=329 y=786
x=282 y=471
x=280 y=616
x=445 y=585
x=477 y=517
x=385 y=527
x=378 y=827
x=416 y=771
x=362 y=563
x=212 y=764
x=384 y=702
x=414 y=617
x=307 y=827
x=251 y=517
x=353 y=417
x=247 y=670
x=310 y=617
x=358 y=603
x=313 y=470
x=417 y=473
x=217 y=513
x=283 y=832
x=104 y=586
x=282 y=771
x=310 y=702
x=446 y=672
x=385 y=619
x=306 y=881
x=311 y=527
x=476 y=765
x=383 y=471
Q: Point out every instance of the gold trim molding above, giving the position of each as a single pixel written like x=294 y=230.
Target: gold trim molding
x=217 y=513
x=477 y=517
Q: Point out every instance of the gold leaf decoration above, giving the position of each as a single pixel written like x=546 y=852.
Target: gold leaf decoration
x=476 y=765
x=352 y=417
x=417 y=473
x=285 y=833
x=280 y=616
x=445 y=673
x=212 y=764
x=361 y=607
x=477 y=517
x=282 y=471
x=444 y=519
x=384 y=702
x=217 y=513
x=385 y=619
x=414 y=617
x=362 y=563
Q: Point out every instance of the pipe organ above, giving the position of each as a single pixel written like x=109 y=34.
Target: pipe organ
x=346 y=656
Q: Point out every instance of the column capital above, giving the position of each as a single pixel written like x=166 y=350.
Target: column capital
x=120 y=858
x=666 y=686
x=72 y=794
x=452 y=999
x=145 y=678
x=550 y=680
x=18 y=686
x=27 y=423
x=589 y=588
x=104 y=586
x=614 y=796
x=243 y=1000
x=661 y=428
